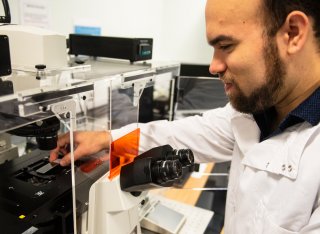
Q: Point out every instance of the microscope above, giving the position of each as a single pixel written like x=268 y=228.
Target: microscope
x=37 y=196
x=121 y=205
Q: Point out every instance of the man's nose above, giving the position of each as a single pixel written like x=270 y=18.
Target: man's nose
x=217 y=66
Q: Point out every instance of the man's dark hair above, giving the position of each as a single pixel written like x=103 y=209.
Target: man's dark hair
x=276 y=11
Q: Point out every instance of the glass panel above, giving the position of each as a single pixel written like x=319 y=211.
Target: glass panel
x=44 y=196
x=198 y=94
x=32 y=97
x=93 y=114
x=34 y=193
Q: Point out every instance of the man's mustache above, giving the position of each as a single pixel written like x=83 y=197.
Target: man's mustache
x=227 y=79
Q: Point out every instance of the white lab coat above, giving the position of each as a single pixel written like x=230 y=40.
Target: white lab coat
x=274 y=186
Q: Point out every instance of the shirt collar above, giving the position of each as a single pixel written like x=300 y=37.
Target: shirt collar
x=308 y=110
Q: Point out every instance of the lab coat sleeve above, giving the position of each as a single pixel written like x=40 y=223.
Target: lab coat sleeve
x=209 y=136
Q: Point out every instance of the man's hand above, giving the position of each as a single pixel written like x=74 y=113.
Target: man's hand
x=86 y=143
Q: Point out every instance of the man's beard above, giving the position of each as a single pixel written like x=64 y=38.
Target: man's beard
x=265 y=96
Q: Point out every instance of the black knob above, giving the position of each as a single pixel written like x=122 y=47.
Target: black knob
x=40 y=66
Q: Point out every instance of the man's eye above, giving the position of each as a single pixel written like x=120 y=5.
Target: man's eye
x=225 y=47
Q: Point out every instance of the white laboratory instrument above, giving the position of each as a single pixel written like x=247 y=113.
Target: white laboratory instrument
x=31 y=46
x=121 y=205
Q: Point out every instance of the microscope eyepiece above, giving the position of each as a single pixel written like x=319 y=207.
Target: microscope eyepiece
x=164 y=171
x=161 y=166
x=185 y=157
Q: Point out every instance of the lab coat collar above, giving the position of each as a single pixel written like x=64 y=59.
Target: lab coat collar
x=280 y=154
x=245 y=130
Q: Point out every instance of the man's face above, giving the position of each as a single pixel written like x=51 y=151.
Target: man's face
x=266 y=95
x=248 y=62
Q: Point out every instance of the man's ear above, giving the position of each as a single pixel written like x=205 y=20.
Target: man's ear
x=294 y=31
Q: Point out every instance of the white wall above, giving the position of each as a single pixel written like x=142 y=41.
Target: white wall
x=184 y=36
x=177 y=26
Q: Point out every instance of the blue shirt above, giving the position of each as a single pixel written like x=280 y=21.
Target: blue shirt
x=308 y=110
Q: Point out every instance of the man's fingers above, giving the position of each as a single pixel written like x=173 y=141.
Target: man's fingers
x=63 y=141
x=54 y=154
x=66 y=160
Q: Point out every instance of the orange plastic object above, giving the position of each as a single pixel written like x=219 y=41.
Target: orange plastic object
x=123 y=151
